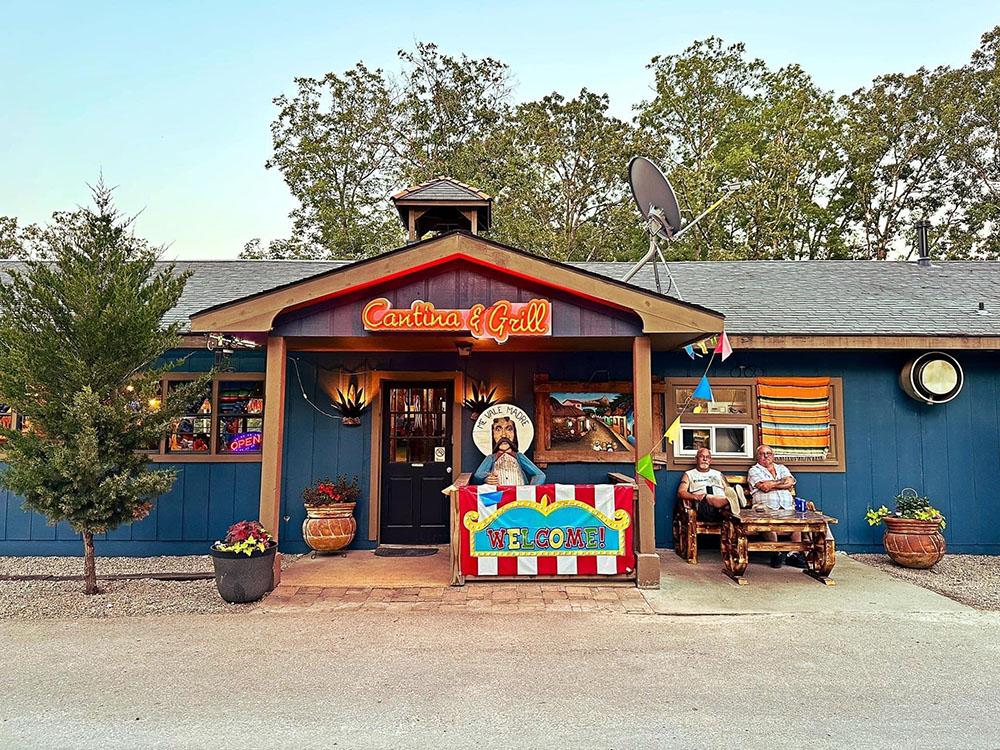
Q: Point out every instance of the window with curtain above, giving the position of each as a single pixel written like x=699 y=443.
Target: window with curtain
x=801 y=418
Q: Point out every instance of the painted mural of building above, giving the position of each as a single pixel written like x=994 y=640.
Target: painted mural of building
x=252 y=442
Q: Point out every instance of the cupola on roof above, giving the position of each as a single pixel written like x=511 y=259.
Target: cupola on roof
x=442 y=205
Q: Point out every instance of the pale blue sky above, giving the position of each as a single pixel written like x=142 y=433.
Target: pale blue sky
x=173 y=100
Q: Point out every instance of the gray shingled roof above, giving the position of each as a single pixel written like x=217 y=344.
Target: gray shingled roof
x=757 y=297
x=441 y=189
x=838 y=297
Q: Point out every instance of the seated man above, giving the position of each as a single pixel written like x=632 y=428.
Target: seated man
x=771 y=485
x=708 y=488
x=505 y=465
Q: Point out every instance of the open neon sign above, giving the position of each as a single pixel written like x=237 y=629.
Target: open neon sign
x=498 y=321
x=245 y=442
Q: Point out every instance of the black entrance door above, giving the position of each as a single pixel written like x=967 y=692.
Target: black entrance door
x=416 y=462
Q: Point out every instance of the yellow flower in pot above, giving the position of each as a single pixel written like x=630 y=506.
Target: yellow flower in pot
x=912 y=532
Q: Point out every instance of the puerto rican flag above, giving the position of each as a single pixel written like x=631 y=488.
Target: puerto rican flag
x=605 y=498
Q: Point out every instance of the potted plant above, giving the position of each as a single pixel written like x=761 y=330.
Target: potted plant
x=350 y=405
x=480 y=400
x=244 y=563
x=329 y=523
x=912 y=531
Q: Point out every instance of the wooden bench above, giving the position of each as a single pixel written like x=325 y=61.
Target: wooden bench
x=687 y=525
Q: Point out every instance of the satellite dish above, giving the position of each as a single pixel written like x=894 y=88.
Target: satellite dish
x=658 y=205
x=655 y=198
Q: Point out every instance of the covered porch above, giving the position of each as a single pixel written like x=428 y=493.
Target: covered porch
x=596 y=334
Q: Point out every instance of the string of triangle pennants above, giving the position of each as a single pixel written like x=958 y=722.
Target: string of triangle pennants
x=712 y=347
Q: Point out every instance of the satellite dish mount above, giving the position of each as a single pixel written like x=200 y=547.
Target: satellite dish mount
x=661 y=213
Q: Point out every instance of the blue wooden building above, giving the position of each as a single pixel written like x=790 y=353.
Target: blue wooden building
x=266 y=429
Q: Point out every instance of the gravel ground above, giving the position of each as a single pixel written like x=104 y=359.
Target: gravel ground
x=969 y=579
x=39 y=600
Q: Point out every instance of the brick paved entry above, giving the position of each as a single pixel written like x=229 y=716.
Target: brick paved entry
x=473 y=597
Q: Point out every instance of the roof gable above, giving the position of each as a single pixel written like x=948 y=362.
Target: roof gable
x=659 y=314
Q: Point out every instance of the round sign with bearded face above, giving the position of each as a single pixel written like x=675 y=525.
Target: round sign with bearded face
x=503 y=427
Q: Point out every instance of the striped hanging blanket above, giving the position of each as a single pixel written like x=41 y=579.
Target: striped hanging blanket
x=795 y=416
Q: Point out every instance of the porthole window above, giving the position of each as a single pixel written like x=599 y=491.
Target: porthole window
x=932 y=378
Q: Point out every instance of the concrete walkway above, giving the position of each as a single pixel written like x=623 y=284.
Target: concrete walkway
x=703 y=589
x=359 y=580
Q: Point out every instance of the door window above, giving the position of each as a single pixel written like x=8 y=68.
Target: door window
x=418 y=423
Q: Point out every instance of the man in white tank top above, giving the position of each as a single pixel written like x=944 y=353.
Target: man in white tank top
x=708 y=488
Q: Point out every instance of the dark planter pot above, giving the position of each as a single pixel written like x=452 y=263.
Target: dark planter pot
x=913 y=543
x=242 y=579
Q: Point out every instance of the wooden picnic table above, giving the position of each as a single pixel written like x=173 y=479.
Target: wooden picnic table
x=737 y=544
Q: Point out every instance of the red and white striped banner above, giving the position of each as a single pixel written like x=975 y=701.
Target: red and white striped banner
x=546 y=530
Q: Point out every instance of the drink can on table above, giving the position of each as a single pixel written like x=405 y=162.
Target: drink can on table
x=800 y=505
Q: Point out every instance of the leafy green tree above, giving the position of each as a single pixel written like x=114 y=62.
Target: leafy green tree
x=81 y=350
x=896 y=138
x=807 y=175
x=30 y=241
x=565 y=193
x=450 y=107
x=974 y=155
x=10 y=237
x=334 y=144
x=719 y=120
x=345 y=143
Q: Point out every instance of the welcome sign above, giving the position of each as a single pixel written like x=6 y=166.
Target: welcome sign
x=547 y=529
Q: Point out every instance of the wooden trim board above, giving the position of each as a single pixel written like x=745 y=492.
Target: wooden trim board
x=274 y=434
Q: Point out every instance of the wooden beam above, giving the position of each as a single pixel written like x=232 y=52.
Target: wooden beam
x=274 y=428
x=647 y=561
x=473 y=217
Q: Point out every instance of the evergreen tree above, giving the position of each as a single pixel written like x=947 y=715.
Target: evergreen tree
x=82 y=349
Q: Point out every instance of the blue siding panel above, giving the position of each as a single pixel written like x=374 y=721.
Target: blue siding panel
x=41 y=529
x=145 y=530
x=195 y=504
x=170 y=509
x=246 y=497
x=18 y=520
x=951 y=452
x=221 y=499
x=122 y=534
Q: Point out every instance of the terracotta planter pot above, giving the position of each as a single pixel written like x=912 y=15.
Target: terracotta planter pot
x=328 y=528
x=912 y=543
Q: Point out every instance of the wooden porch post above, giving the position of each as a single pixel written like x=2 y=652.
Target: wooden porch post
x=647 y=561
x=274 y=438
